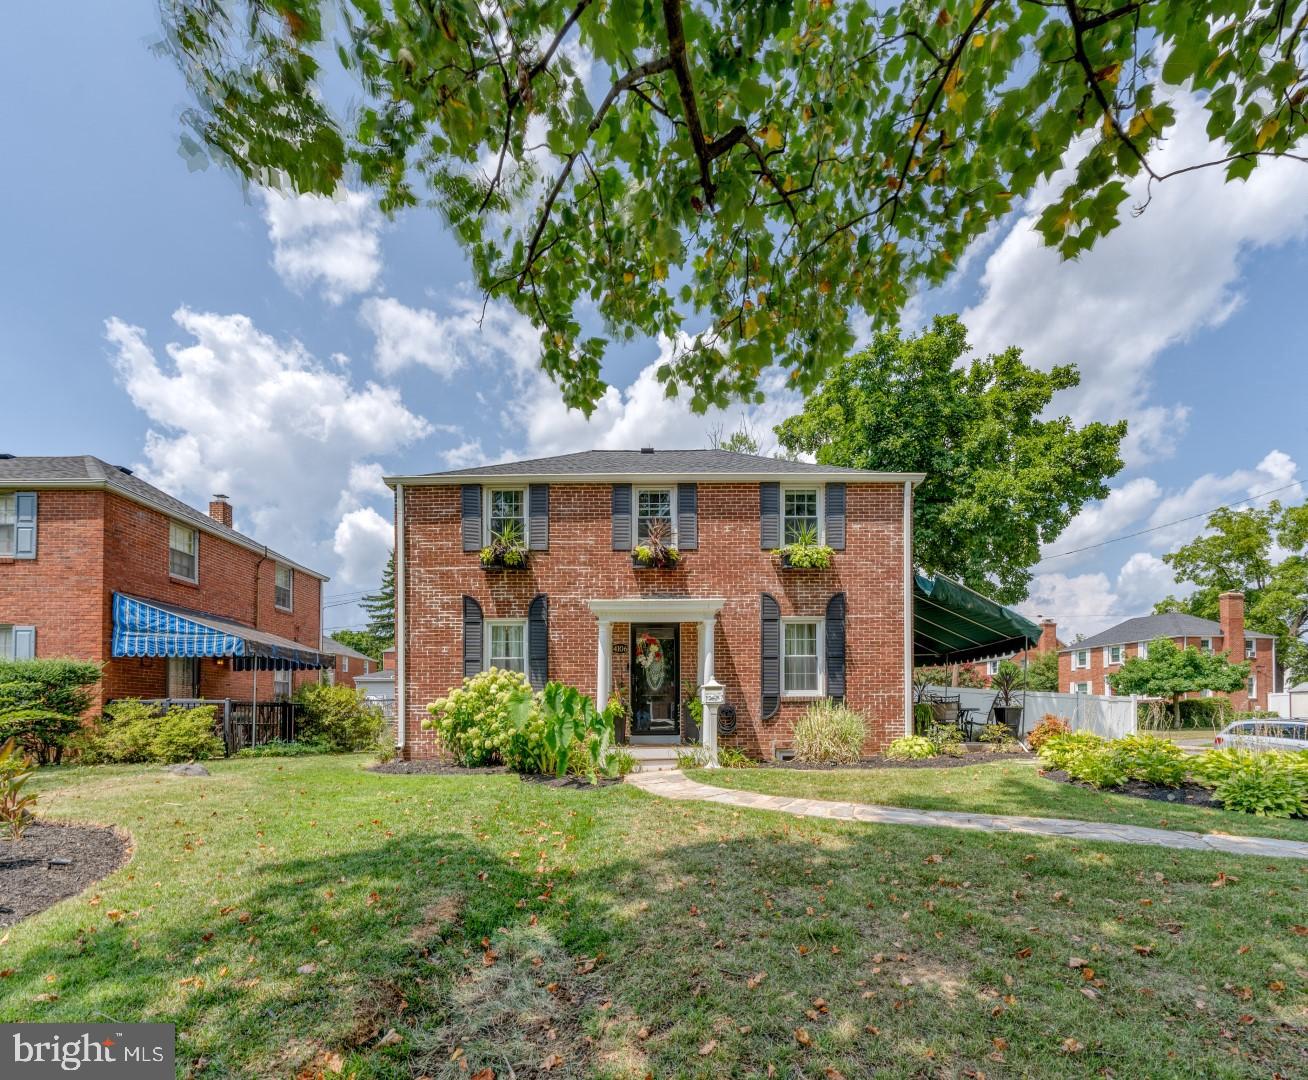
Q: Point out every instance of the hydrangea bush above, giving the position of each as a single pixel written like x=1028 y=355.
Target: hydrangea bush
x=475 y=722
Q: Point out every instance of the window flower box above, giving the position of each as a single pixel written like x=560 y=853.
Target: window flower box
x=805 y=557
x=499 y=557
x=646 y=557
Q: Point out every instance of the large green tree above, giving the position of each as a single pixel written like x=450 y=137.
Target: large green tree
x=364 y=641
x=1262 y=553
x=1171 y=672
x=766 y=169
x=1001 y=479
x=380 y=607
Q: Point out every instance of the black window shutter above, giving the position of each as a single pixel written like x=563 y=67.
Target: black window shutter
x=687 y=517
x=538 y=514
x=769 y=516
x=472 y=517
x=835 y=514
x=770 y=639
x=472 y=637
x=622 y=517
x=836 y=646
x=538 y=642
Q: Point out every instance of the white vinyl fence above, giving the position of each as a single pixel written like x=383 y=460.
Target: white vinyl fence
x=1111 y=717
x=1292 y=704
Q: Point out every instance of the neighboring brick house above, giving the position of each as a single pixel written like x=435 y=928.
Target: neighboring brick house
x=1085 y=665
x=581 y=612
x=350 y=663
x=984 y=669
x=97 y=564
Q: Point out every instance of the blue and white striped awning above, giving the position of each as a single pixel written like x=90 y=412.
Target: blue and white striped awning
x=151 y=628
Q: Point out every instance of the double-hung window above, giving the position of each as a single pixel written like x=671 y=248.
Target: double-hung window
x=506 y=515
x=654 y=505
x=8 y=523
x=1142 y=650
x=183 y=551
x=282 y=685
x=802 y=667
x=284 y=588
x=992 y=667
x=506 y=645
x=1113 y=654
x=800 y=519
x=1250 y=649
x=1080 y=688
x=1081 y=660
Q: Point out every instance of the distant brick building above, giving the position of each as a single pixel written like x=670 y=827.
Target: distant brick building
x=581 y=611
x=97 y=564
x=350 y=663
x=985 y=669
x=1084 y=666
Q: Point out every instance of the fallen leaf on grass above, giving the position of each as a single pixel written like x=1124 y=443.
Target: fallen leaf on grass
x=1144 y=950
x=1022 y=954
x=1076 y=962
x=755 y=980
x=307 y=969
x=391 y=1038
x=1071 y=1046
x=585 y=967
x=833 y=1073
x=550 y=1063
x=46 y=997
x=803 y=1037
x=484 y=1074
x=708 y=1048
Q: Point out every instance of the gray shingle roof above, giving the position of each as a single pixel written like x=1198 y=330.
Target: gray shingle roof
x=84 y=468
x=337 y=648
x=659 y=462
x=1147 y=627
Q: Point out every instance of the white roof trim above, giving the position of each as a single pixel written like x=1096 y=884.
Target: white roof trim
x=217 y=529
x=701 y=476
x=657 y=609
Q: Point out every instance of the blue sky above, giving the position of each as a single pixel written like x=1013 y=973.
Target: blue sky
x=291 y=352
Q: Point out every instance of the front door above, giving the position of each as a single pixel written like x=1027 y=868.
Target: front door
x=655 y=681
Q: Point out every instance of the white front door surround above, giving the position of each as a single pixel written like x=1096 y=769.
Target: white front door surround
x=638 y=609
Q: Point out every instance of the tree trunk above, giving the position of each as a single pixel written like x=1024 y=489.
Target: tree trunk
x=1176 y=710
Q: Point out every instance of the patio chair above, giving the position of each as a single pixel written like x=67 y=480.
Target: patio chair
x=947 y=708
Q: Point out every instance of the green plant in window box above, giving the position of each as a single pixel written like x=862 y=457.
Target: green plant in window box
x=656 y=552
x=506 y=548
x=805 y=553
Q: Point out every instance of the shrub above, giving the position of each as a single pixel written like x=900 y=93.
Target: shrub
x=1264 y=785
x=281 y=748
x=560 y=731
x=923 y=717
x=1048 y=727
x=622 y=762
x=1150 y=759
x=1095 y=765
x=1213 y=712
x=16 y=768
x=911 y=748
x=338 y=717
x=42 y=701
x=999 y=735
x=1057 y=749
x=132 y=731
x=731 y=757
x=1213 y=766
x=692 y=757
x=829 y=733
x=475 y=721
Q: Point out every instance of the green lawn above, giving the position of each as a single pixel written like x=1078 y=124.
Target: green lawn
x=287 y=914
x=999 y=788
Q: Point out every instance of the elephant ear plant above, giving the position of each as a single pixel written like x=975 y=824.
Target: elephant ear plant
x=576 y=737
x=16 y=768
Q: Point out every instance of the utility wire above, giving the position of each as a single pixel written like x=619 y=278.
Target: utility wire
x=1167 y=524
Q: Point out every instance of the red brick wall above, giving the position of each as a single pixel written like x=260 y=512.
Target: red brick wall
x=93 y=543
x=581 y=566
x=1095 y=674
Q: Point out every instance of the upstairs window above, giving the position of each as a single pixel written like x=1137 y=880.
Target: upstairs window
x=654 y=505
x=1113 y=654
x=1080 y=688
x=1142 y=650
x=284 y=587
x=992 y=667
x=800 y=518
x=1081 y=659
x=8 y=523
x=183 y=551
x=1250 y=649
x=506 y=515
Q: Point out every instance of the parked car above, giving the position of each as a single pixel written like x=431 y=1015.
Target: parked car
x=1264 y=735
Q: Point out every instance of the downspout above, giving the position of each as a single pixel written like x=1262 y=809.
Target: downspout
x=908 y=607
x=401 y=697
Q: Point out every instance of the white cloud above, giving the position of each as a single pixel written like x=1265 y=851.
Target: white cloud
x=331 y=242
x=1144 y=580
x=362 y=543
x=288 y=438
x=445 y=343
x=1100 y=521
x=1150 y=284
x=1154 y=432
x=1080 y=603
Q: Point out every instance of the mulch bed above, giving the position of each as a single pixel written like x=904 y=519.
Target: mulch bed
x=433 y=767
x=984 y=757
x=1187 y=794
x=28 y=883
x=569 y=781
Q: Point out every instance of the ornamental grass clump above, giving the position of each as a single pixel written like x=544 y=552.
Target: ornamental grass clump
x=829 y=734
x=474 y=722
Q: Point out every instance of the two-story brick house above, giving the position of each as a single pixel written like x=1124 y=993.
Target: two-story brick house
x=1084 y=666
x=350 y=663
x=581 y=611
x=97 y=564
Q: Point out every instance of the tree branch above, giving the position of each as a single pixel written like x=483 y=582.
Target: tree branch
x=686 y=91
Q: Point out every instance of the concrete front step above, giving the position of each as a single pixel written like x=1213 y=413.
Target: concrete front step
x=654 y=758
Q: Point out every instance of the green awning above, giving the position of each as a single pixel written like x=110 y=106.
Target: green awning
x=954 y=625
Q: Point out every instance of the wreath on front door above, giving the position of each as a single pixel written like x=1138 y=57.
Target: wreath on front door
x=649 y=655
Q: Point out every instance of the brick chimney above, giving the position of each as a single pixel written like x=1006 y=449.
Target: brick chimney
x=1048 y=636
x=1230 y=607
x=221 y=510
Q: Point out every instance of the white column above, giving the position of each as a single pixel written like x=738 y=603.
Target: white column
x=604 y=672
x=706 y=650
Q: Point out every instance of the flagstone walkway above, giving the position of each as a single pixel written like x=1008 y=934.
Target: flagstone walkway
x=674 y=784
